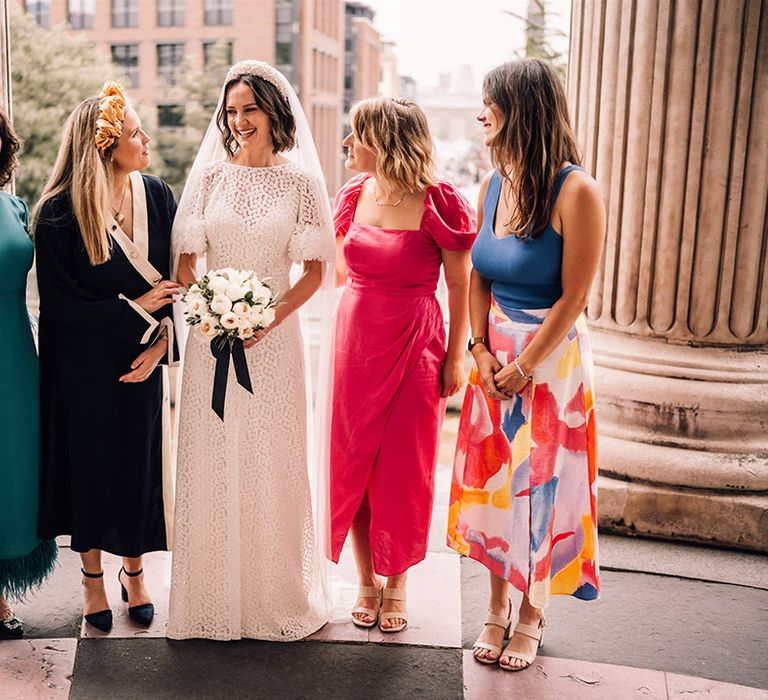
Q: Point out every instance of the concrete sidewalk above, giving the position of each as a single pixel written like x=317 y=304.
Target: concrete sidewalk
x=673 y=621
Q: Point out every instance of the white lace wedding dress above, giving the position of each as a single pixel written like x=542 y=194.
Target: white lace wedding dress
x=245 y=560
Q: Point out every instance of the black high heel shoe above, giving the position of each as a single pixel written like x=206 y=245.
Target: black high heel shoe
x=142 y=614
x=101 y=620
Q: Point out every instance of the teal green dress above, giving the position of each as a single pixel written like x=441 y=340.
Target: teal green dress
x=25 y=560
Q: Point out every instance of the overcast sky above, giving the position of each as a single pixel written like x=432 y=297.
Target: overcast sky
x=434 y=36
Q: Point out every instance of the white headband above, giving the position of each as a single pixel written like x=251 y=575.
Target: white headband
x=261 y=70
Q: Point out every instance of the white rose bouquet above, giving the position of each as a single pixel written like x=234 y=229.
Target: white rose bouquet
x=228 y=305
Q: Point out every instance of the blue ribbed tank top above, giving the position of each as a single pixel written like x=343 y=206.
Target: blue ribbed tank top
x=524 y=274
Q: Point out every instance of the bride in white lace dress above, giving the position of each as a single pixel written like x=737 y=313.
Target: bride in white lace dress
x=248 y=561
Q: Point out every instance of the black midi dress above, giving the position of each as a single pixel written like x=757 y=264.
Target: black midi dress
x=105 y=445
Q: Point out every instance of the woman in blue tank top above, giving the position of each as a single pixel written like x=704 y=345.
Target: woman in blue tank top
x=523 y=496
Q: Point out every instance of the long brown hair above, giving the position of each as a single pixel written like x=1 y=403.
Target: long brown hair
x=9 y=147
x=398 y=132
x=535 y=140
x=83 y=173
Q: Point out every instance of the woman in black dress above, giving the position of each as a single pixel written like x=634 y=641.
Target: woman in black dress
x=102 y=237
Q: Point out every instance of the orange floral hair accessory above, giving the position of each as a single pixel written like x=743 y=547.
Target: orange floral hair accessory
x=109 y=123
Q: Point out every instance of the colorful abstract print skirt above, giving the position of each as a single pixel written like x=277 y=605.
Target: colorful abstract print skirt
x=524 y=494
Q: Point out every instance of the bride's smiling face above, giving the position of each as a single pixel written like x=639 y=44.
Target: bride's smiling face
x=250 y=126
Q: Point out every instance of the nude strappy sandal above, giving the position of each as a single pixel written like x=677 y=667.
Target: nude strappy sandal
x=367 y=592
x=394 y=594
x=536 y=633
x=505 y=622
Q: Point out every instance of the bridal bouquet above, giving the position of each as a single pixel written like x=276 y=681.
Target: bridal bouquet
x=228 y=306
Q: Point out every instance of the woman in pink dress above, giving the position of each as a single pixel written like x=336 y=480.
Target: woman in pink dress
x=396 y=224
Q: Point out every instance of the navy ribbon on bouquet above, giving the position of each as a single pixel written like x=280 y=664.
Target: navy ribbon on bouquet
x=222 y=351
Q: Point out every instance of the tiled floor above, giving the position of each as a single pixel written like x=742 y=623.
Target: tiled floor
x=432 y=658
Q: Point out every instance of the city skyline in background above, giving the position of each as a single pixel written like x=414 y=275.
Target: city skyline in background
x=438 y=37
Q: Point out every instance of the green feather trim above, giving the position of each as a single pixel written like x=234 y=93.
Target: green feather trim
x=19 y=577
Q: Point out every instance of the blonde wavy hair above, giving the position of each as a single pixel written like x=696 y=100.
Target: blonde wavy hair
x=397 y=131
x=85 y=173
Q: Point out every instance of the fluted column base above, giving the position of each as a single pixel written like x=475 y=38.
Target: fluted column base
x=683 y=439
x=678 y=513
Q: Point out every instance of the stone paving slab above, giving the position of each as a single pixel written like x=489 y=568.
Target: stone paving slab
x=685 y=560
x=553 y=678
x=688 y=688
x=562 y=678
x=339 y=628
x=36 y=669
x=691 y=627
x=56 y=610
x=434 y=605
x=157 y=577
x=125 y=669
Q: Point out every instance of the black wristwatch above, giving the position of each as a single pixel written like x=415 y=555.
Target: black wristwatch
x=476 y=340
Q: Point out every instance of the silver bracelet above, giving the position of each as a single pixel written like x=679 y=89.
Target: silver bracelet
x=520 y=369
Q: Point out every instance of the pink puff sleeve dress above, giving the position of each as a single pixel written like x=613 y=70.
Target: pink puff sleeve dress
x=390 y=346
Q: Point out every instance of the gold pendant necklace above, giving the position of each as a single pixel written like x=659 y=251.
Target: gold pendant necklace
x=119 y=216
x=384 y=204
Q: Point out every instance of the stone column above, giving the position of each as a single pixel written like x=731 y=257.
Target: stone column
x=5 y=59
x=670 y=104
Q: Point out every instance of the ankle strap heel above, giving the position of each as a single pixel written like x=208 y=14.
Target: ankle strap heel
x=101 y=620
x=143 y=614
x=87 y=574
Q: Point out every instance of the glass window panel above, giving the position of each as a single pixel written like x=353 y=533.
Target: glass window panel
x=218 y=12
x=40 y=10
x=169 y=60
x=171 y=13
x=125 y=13
x=127 y=57
x=80 y=13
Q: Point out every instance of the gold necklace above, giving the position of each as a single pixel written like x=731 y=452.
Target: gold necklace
x=383 y=204
x=120 y=217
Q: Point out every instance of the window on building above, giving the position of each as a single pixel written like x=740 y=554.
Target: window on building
x=283 y=52
x=125 y=13
x=40 y=10
x=171 y=13
x=218 y=12
x=210 y=47
x=127 y=57
x=80 y=13
x=285 y=11
x=169 y=60
x=170 y=115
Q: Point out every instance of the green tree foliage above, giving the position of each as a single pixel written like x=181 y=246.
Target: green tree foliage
x=196 y=93
x=54 y=71
x=51 y=73
x=539 y=35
